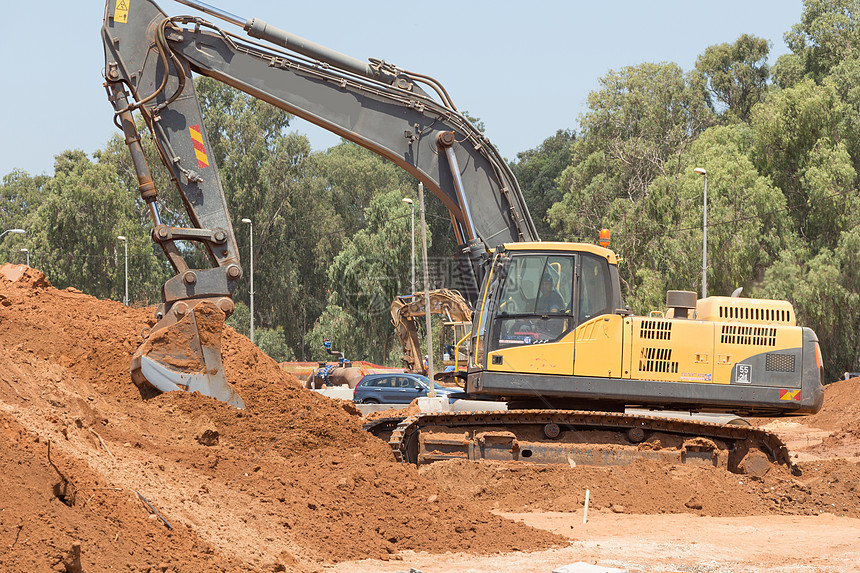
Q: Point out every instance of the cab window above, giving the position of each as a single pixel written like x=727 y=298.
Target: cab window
x=535 y=303
x=595 y=291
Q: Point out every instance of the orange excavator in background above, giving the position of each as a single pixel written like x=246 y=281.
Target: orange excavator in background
x=407 y=310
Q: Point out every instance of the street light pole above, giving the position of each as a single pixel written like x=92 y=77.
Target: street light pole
x=13 y=231
x=27 y=252
x=251 y=291
x=704 y=174
x=412 y=205
x=429 y=332
x=125 y=248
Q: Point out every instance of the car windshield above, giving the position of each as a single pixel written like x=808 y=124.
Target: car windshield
x=426 y=382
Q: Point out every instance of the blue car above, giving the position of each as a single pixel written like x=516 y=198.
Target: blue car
x=396 y=388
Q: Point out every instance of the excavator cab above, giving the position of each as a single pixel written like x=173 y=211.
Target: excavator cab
x=538 y=293
x=455 y=344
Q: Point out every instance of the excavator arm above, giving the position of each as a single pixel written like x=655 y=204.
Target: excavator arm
x=149 y=62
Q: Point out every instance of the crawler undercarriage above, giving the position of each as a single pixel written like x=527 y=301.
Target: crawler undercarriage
x=573 y=437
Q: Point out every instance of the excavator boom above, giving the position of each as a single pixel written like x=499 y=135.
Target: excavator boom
x=149 y=62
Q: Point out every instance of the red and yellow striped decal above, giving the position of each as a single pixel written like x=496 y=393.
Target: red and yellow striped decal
x=199 y=149
x=789 y=395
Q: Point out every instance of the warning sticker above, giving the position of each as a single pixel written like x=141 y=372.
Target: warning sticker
x=789 y=395
x=120 y=13
x=694 y=377
x=199 y=148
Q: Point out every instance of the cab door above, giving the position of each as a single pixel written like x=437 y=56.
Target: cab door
x=531 y=330
x=599 y=335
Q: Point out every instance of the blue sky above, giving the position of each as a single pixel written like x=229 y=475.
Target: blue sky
x=524 y=68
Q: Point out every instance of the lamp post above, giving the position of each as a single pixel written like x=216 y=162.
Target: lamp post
x=14 y=231
x=251 y=291
x=412 y=205
x=26 y=252
x=429 y=332
x=17 y=232
x=125 y=248
x=704 y=174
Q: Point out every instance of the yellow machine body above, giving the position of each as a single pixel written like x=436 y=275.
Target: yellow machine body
x=717 y=354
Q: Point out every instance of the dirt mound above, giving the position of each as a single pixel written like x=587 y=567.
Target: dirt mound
x=832 y=432
x=287 y=484
x=649 y=488
x=410 y=410
x=291 y=483
x=841 y=408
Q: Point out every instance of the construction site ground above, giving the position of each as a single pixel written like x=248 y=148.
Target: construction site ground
x=183 y=483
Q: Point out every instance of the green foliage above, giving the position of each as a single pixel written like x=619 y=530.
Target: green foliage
x=273 y=342
x=537 y=171
x=788 y=70
x=342 y=328
x=354 y=176
x=271 y=177
x=74 y=228
x=478 y=123
x=827 y=34
x=148 y=268
x=20 y=195
x=641 y=119
x=745 y=214
x=800 y=146
x=240 y=320
x=638 y=127
x=825 y=292
x=371 y=270
x=845 y=79
x=736 y=74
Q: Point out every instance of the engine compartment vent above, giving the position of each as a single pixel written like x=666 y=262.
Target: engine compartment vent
x=750 y=335
x=745 y=313
x=655 y=330
x=748 y=310
x=657 y=360
x=779 y=362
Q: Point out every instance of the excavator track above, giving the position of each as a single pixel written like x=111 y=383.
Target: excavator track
x=573 y=437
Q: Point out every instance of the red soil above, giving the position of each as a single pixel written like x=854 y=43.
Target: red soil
x=292 y=483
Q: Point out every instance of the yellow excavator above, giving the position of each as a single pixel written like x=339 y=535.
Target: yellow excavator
x=551 y=336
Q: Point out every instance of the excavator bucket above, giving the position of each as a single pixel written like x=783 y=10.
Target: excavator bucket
x=186 y=355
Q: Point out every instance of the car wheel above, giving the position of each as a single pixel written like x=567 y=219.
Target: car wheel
x=370 y=401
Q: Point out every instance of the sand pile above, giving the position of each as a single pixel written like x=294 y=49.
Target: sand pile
x=289 y=483
x=292 y=483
